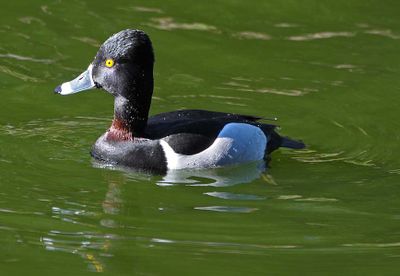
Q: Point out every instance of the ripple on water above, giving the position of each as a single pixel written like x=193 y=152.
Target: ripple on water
x=394 y=171
x=25 y=36
x=233 y=196
x=373 y=245
x=53 y=128
x=310 y=199
x=144 y=9
x=185 y=79
x=25 y=58
x=95 y=248
x=88 y=40
x=239 y=246
x=92 y=247
x=169 y=24
x=30 y=19
x=252 y=35
x=348 y=67
x=6 y=70
x=384 y=33
x=227 y=209
x=317 y=199
x=286 y=25
x=45 y=9
x=55 y=140
x=256 y=86
x=9 y=211
x=226 y=100
x=140 y=9
x=320 y=35
x=359 y=158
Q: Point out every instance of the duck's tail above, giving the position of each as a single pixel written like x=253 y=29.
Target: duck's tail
x=292 y=144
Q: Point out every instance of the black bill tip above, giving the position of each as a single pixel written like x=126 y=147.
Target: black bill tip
x=57 y=90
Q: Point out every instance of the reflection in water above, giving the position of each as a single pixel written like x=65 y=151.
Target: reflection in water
x=232 y=196
x=310 y=199
x=228 y=209
x=214 y=177
x=113 y=227
x=112 y=202
x=217 y=177
x=95 y=247
x=90 y=246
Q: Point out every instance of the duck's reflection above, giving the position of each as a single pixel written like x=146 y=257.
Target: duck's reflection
x=96 y=248
x=216 y=177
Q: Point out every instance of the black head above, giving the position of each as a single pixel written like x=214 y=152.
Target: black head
x=123 y=65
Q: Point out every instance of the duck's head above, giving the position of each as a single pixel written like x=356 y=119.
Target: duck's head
x=120 y=64
x=123 y=66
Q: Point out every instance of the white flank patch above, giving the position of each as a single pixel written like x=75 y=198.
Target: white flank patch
x=236 y=143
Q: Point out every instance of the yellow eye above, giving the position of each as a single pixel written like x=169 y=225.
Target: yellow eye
x=109 y=63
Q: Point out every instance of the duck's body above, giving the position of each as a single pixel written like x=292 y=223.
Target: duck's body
x=191 y=139
x=173 y=140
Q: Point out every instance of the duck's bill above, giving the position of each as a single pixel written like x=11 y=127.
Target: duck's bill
x=83 y=82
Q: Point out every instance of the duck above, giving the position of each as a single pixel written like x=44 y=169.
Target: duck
x=181 y=139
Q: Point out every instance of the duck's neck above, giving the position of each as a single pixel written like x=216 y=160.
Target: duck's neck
x=119 y=131
x=130 y=118
x=132 y=104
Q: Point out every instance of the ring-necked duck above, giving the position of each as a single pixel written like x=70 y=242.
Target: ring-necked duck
x=123 y=66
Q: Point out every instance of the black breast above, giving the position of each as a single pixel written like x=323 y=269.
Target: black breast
x=141 y=154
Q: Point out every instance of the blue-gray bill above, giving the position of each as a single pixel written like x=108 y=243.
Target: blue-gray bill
x=83 y=82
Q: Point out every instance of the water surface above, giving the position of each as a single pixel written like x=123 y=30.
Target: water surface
x=328 y=70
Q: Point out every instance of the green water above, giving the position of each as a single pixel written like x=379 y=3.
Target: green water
x=329 y=70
